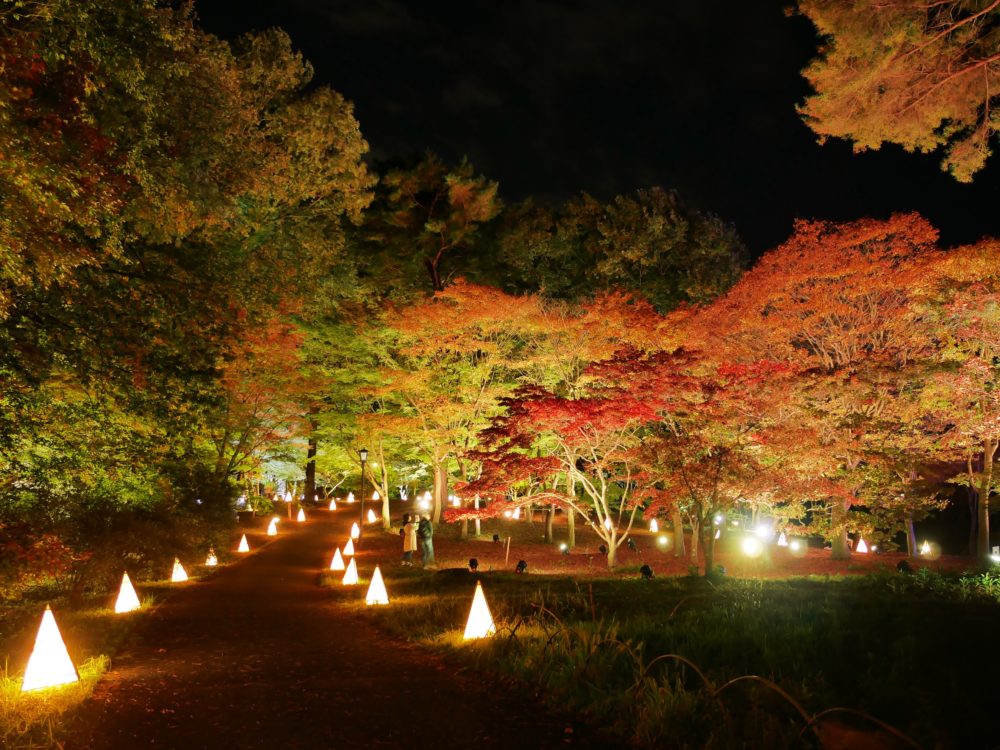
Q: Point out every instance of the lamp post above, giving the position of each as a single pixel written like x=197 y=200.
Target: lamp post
x=363 y=454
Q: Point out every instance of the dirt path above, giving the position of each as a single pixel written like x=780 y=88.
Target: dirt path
x=259 y=657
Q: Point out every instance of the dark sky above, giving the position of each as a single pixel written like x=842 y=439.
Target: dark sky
x=552 y=98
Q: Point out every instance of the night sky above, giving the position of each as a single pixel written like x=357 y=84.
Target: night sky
x=553 y=98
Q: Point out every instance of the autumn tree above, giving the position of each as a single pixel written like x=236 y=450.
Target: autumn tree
x=924 y=75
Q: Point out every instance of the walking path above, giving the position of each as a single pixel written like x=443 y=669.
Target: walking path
x=258 y=656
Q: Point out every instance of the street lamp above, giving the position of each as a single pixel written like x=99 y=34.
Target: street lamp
x=363 y=454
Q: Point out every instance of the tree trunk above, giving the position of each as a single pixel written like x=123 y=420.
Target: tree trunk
x=571 y=514
x=678 y=521
x=840 y=550
x=310 y=488
x=475 y=504
x=911 y=535
x=550 y=514
x=695 y=538
x=973 y=503
x=709 y=543
x=983 y=516
x=528 y=513
x=612 y=549
x=440 y=490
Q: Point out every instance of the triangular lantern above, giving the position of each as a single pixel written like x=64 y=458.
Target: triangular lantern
x=349 y=548
x=862 y=547
x=178 y=575
x=782 y=540
x=517 y=513
x=302 y=516
x=272 y=528
x=244 y=546
x=480 y=622
x=49 y=664
x=337 y=563
x=654 y=526
x=355 y=531
x=211 y=560
x=351 y=576
x=376 y=589
x=127 y=600
x=925 y=548
x=376 y=496
x=333 y=504
x=372 y=518
x=350 y=497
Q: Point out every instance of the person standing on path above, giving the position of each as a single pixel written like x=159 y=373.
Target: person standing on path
x=425 y=531
x=409 y=538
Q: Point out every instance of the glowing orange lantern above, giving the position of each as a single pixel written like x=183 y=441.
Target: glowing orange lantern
x=301 y=517
x=654 y=526
x=350 y=497
x=355 y=531
x=862 y=547
x=337 y=563
x=179 y=575
x=376 y=589
x=211 y=560
x=127 y=600
x=480 y=622
x=49 y=664
x=349 y=548
x=333 y=504
x=372 y=518
x=351 y=576
x=244 y=546
x=272 y=528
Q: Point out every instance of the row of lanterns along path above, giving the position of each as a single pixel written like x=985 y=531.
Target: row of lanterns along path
x=50 y=665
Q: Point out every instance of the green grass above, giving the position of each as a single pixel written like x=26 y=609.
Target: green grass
x=907 y=650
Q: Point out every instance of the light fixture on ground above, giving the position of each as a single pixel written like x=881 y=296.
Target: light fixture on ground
x=178 y=575
x=862 y=546
x=301 y=517
x=375 y=496
x=376 y=589
x=782 y=540
x=516 y=514
x=272 y=528
x=654 y=526
x=350 y=497
x=607 y=524
x=49 y=664
x=127 y=600
x=925 y=548
x=662 y=540
x=372 y=518
x=333 y=504
x=752 y=546
x=480 y=622
x=349 y=548
x=355 y=530
x=337 y=563
x=244 y=545
x=211 y=560
x=351 y=574
x=288 y=496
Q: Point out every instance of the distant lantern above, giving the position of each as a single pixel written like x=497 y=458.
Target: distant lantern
x=338 y=562
x=480 y=622
x=456 y=502
x=654 y=526
x=782 y=540
x=372 y=518
x=516 y=514
x=350 y=497
x=349 y=548
x=211 y=560
x=355 y=531
x=862 y=547
x=49 y=664
x=607 y=524
x=333 y=504
x=351 y=576
x=925 y=548
x=288 y=496
x=272 y=528
x=127 y=600
x=178 y=575
x=301 y=517
x=376 y=589
x=718 y=533
x=376 y=496
x=752 y=546
x=244 y=547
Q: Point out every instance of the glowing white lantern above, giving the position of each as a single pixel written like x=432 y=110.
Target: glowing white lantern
x=376 y=496
x=862 y=547
x=456 y=502
x=333 y=504
x=718 y=533
x=752 y=546
x=301 y=517
x=795 y=545
x=376 y=589
x=337 y=563
x=654 y=526
x=127 y=600
x=49 y=664
x=351 y=576
x=211 y=560
x=355 y=531
x=782 y=540
x=607 y=524
x=516 y=514
x=925 y=548
x=349 y=548
x=179 y=575
x=480 y=622
x=244 y=546
x=350 y=497
x=718 y=519
x=272 y=528
x=662 y=541
x=288 y=496
x=507 y=514
x=372 y=518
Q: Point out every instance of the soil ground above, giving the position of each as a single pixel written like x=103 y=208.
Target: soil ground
x=257 y=656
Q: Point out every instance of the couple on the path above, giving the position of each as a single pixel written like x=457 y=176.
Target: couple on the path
x=414 y=528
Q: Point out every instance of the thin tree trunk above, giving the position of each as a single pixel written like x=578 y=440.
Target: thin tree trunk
x=695 y=537
x=840 y=550
x=709 y=543
x=475 y=504
x=550 y=514
x=973 y=510
x=678 y=520
x=612 y=548
x=911 y=535
x=310 y=488
x=529 y=512
x=570 y=513
x=983 y=516
x=440 y=490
